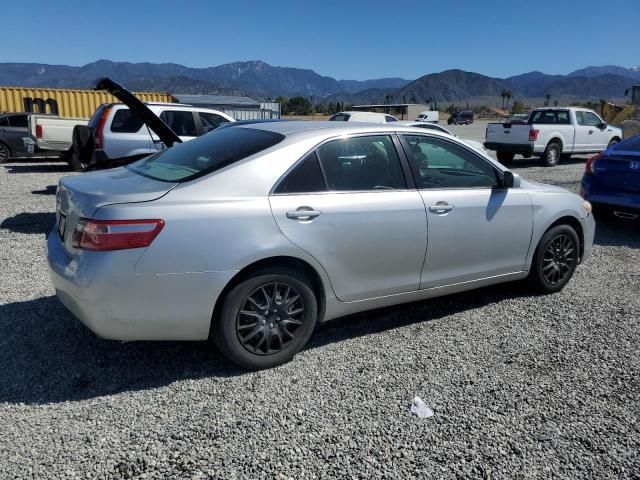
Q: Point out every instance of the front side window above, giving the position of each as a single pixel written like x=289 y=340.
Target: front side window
x=4 y=122
x=211 y=121
x=361 y=163
x=438 y=163
x=180 y=122
x=203 y=155
x=579 y=118
x=591 y=119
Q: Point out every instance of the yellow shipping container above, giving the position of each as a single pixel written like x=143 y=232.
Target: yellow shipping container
x=66 y=103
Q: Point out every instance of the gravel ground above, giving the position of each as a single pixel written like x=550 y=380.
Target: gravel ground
x=522 y=386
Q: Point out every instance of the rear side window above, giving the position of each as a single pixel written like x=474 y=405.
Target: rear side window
x=340 y=117
x=97 y=115
x=206 y=154
x=361 y=164
x=306 y=177
x=19 y=121
x=126 y=121
x=389 y=118
x=550 y=117
x=180 y=122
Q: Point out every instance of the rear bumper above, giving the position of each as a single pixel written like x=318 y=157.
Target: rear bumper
x=102 y=290
x=518 y=148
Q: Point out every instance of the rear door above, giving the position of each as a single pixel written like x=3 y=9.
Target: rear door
x=348 y=205
x=210 y=121
x=13 y=128
x=182 y=122
x=477 y=229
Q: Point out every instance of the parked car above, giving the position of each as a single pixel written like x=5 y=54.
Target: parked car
x=611 y=181
x=13 y=131
x=252 y=235
x=464 y=117
x=552 y=133
x=116 y=133
x=369 y=117
x=428 y=116
x=430 y=126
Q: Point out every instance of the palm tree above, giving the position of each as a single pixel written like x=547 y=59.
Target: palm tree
x=508 y=95
x=503 y=94
x=548 y=99
x=555 y=103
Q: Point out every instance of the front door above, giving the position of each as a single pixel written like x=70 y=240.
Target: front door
x=477 y=229
x=347 y=204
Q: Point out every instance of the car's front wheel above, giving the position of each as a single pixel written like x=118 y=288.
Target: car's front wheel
x=5 y=153
x=266 y=319
x=555 y=259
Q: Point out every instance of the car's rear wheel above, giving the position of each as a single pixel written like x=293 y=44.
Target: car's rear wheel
x=555 y=259
x=551 y=155
x=266 y=319
x=612 y=142
x=5 y=153
x=505 y=157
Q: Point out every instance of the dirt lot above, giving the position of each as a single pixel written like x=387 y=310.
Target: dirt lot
x=522 y=386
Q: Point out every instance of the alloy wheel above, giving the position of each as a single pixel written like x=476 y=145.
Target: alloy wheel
x=269 y=318
x=558 y=259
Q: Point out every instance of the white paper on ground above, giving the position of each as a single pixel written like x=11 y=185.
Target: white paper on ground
x=420 y=408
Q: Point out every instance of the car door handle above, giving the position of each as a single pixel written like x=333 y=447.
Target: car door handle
x=303 y=214
x=590 y=132
x=440 y=207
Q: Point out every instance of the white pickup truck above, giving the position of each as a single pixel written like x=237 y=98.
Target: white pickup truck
x=551 y=133
x=53 y=135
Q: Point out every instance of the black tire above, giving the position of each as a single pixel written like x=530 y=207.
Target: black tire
x=551 y=155
x=269 y=321
x=612 y=142
x=5 y=153
x=555 y=260
x=81 y=148
x=505 y=157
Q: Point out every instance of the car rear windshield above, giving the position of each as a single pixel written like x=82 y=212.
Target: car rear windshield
x=550 y=117
x=206 y=154
x=629 y=146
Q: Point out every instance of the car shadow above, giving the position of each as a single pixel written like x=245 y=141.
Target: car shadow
x=48 y=190
x=616 y=232
x=38 y=168
x=40 y=222
x=47 y=356
x=520 y=162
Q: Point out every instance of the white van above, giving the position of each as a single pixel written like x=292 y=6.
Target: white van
x=368 y=117
x=428 y=116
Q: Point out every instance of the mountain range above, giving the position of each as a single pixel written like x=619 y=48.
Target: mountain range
x=263 y=81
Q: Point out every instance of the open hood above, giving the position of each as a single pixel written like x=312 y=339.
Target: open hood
x=166 y=135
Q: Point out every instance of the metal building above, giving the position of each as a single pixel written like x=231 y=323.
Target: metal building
x=240 y=108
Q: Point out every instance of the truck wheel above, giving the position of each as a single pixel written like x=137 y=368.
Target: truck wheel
x=614 y=141
x=551 y=155
x=5 y=153
x=505 y=157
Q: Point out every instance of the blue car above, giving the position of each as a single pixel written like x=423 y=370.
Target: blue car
x=611 y=180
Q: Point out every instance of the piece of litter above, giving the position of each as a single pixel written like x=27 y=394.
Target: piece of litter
x=420 y=408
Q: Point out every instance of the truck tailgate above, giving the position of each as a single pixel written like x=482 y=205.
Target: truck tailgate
x=52 y=132
x=509 y=133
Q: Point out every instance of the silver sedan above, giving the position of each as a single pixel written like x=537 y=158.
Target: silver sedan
x=253 y=234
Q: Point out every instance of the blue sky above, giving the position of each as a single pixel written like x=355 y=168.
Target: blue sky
x=343 y=39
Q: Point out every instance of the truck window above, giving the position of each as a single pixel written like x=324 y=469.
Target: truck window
x=579 y=118
x=550 y=117
x=591 y=119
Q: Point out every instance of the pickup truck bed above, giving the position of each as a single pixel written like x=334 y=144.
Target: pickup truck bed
x=52 y=133
x=551 y=133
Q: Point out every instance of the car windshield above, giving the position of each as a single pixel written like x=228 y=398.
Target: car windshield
x=206 y=154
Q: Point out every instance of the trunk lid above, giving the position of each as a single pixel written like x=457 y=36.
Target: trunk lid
x=81 y=196
x=618 y=171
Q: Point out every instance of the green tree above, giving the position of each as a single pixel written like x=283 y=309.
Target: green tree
x=508 y=95
x=547 y=99
x=518 y=107
x=555 y=103
x=299 y=106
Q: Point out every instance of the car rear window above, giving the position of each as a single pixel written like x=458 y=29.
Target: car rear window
x=206 y=154
x=550 y=117
x=126 y=121
x=629 y=146
x=340 y=117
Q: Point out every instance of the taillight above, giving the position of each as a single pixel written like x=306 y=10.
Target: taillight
x=589 y=168
x=103 y=235
x=38 y=131
x=100 y=128
x=486 y=132
x=533 y=134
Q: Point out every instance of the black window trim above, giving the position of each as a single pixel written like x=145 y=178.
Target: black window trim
x=406 y=169
x=196 y=119
x=498 y=173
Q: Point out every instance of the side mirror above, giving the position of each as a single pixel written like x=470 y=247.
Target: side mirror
x=602 y=125
x=508 y=180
